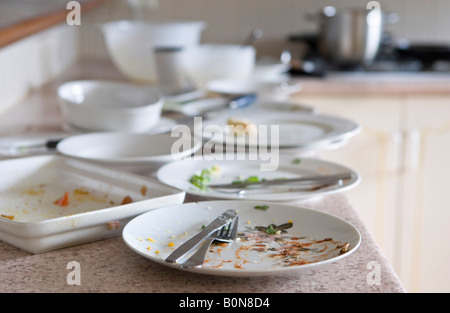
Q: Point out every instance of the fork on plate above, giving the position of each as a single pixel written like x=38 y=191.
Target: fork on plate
x=227 y=233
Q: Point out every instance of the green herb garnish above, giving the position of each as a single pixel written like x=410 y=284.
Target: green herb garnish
x=275 y=229
x=296 y=161
x=252 y=179
x=262 y=207
x=203 y=179
x=270 y=229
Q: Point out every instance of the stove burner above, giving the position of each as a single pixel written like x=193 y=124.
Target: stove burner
x=391 y=57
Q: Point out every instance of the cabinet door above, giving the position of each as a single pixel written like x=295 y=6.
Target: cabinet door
x=375 y=154
x=425 y=229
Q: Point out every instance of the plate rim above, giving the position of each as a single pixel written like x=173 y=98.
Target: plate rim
x=197 y=144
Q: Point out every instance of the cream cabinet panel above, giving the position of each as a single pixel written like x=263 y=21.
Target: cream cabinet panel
x=403 y=155
x=376 y=154
x=425 y=229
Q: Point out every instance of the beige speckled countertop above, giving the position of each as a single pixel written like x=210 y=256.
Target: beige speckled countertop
x=110 y=266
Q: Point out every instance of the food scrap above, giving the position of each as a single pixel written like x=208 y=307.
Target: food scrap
x=113 y=225
x=250 y=179
x=296 y=161
x=37 y=202
x=274 y=229
x=253 y=179
x=202 y=180
x=10 y=217
x=241 y=126
x=64 y=200
x=126 y=200
x=261 y=207
x=273 y=246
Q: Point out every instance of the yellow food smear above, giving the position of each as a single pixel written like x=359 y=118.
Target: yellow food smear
x=33 y=192
x=10 y=217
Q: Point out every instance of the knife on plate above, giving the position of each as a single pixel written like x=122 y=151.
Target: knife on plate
x=271 y=182
x=204 y=107
x=199 y=238
x=225 y=234
x=33 y=148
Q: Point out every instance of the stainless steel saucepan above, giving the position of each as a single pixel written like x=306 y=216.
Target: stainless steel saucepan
x=352 y=36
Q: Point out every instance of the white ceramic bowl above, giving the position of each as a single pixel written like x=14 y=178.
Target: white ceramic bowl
x=269 y=68
x=131 y=43
x=213 y=61
x=110 y=106
x=140 y=153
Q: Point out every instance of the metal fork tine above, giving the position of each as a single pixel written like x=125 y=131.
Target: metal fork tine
x=225 y=234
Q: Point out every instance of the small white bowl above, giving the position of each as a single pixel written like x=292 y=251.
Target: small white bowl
x=213 y=61
x=134 y=152
x=110 y=106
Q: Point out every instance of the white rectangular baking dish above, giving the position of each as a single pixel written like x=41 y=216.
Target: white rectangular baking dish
x=29 y=188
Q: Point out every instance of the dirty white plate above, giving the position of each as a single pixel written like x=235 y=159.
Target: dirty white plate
x=279 y=128
x=50 y=202
x=240 y=167
x=242 y=87
x=131 y=151
x=322 y=237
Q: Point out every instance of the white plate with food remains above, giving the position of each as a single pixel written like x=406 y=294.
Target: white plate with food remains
x=260 y=127
x=272 y=238
x=50 y=202
x=198 y=176
x=135 y=152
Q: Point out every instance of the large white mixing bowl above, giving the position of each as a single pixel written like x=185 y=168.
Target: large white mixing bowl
x=131 y=44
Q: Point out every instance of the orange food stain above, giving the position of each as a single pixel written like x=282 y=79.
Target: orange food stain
x=126 y=200
x=64 y=200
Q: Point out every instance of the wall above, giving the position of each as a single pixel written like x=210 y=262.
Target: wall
x=35 y=60
x=231 y=21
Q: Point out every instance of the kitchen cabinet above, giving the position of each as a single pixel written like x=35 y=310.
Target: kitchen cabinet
x=425 y=250
x=402 y=155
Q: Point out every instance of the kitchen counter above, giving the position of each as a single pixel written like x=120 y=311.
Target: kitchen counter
x=110 y=266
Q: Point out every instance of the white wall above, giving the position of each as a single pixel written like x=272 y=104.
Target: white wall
x=31 y=62
x=35 y=60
